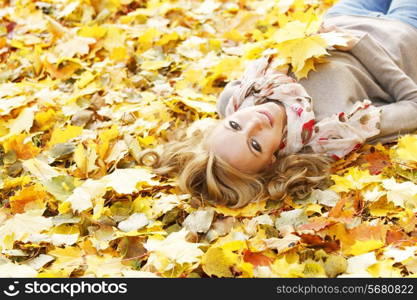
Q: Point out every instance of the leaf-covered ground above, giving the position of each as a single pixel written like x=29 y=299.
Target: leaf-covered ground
x=85 y=85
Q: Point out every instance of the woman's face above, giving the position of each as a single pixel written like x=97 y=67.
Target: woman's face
x=248 y=138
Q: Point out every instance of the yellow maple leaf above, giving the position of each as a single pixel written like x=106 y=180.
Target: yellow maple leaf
x=52 y=274
x=104 y=266
x=85 y=158
x=64 y=72
x=313 y=208
x=234 y=35
x=225 y=68
x=249 y=210
x=45 y=119
x=85 y=79
x=354 y=179
x=153 y=65
x=18 y=181
x=64 y=207
x=104 y=139
x=216 y=261
x=119 y=53
x=146 y=40
x=147 y=140
x=285 y=267
x=9 y=269
x=64 y=234
x=21 y=123
x=95 y=31
x=173 y=251
x=308 y=66
x=381 y=208
x=313 y=269
x=361 y=247
x=168 y=37
x=67 y=259
x=254 y=50
x=407 y=147
x=385 y=269
x=75 y=45
x=63 y=135
x=22 y=226
x=219 y=261
x=3 y=128
x=406 y=219
x=299 y=50
x=291 y=31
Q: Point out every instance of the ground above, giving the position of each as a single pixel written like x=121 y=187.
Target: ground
x=85 y=85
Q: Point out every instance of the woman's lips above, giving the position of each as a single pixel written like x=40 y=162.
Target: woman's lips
x=269 y=116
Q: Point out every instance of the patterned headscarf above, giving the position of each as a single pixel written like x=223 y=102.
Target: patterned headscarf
x=335 y=136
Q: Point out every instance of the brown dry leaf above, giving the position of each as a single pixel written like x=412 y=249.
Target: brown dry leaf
x=317 y=242
x=340 y=165
x=256 y=258
x=377 y=162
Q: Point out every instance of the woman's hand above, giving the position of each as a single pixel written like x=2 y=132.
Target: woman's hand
x=351 y=40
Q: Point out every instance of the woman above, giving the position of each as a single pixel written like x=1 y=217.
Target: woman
x=278 y=136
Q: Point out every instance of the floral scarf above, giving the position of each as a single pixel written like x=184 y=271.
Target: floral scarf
x=335 y=136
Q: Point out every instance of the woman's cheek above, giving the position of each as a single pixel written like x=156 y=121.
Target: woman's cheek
x=270 y=141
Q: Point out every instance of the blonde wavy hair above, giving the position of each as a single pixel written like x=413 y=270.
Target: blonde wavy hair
x=203 y=174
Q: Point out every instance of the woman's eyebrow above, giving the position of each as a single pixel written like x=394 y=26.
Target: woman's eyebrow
x=247 y=141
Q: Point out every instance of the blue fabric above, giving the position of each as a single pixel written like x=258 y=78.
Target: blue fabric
x=403 y=10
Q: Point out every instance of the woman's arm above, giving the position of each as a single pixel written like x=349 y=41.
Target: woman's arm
x=386 y=72
x=398 y=117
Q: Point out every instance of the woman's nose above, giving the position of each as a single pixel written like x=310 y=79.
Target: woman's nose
x=255 y=124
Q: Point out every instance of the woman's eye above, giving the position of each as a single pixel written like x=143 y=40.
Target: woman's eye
x=256 y=146
x=234 y=125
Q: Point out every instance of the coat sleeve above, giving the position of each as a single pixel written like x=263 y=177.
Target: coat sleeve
x=398 y=117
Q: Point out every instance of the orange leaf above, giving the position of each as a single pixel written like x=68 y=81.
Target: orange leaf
x=341 y=165
x=395 y=236
x=337 y=210
x=317 y=224
x=33 y=193
x=377 y=162
x=23 y=150
x=317 y=242
x=256 y=258
x=62 y=73
x=339 y=232
x=350 y=205
x=365 y=231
